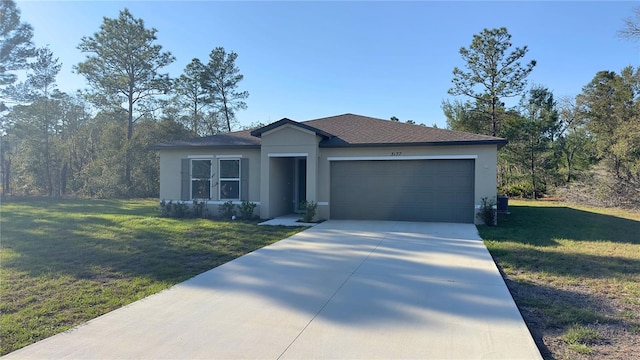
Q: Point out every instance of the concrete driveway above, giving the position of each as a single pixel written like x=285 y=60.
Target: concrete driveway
x=342 y=289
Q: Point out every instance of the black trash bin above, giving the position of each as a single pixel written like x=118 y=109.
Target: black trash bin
x=503 y=204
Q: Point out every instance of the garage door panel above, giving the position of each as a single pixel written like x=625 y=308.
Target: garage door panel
x=425 y=190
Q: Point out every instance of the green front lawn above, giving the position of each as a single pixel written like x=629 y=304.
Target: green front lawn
x=572 y=270
x=64 y=262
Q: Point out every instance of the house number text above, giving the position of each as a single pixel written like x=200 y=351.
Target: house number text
x=396 y=153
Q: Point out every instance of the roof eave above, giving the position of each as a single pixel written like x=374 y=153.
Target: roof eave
x=205 y=147
x=499 y=143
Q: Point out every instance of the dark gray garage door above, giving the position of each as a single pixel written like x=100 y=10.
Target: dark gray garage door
x=409 y=190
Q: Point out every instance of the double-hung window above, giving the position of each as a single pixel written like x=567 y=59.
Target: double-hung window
x=229 y=170
x=200 y=179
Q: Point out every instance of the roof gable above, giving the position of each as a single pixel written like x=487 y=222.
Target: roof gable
x=285 y=121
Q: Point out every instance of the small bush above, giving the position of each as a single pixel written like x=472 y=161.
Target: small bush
x=165 y=208
x=227 y=210
x=522 y=189
x=181 y=210
x=519 y=189
x=309 y=213
x=246 y=210
x=199 y=210
x=487 y=211
x=174 y=210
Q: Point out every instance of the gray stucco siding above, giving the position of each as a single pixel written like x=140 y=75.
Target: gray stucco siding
x=172 y=168
x=266 y=187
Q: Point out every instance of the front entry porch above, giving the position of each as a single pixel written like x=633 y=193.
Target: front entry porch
x=288 y=185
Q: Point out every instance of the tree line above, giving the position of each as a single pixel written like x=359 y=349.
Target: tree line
x=584 y=148
x=97 y=142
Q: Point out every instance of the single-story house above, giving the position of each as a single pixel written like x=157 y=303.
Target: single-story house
x=351 y=166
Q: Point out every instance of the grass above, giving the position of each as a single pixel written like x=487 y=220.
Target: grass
x=63 y=262
x=580 y=337
x=578 y=334
x=569 y=266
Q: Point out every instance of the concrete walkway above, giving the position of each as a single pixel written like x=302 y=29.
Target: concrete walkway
x=342 y=289
x=287 y=220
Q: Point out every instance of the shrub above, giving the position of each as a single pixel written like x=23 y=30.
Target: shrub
x=227 y=210
x=199 y=210
x=174 y=210
x=246 y=210
x=182 y=210
x=522 y=189
x=165 y=208
x=487 y=211
x=309 y=213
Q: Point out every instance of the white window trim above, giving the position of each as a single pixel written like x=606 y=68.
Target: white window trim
x=191 y=178
x=221 y=179
x=407 y=157
x=228 y=157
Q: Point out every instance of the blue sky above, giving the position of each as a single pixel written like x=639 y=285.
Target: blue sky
x=305 y=60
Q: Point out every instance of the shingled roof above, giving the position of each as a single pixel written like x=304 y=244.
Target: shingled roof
x=347 y=130
x=357 y=130
x=233 y=140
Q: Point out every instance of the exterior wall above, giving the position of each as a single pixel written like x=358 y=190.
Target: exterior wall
x=485 y=167
x=287 y=141
x=171 y=177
